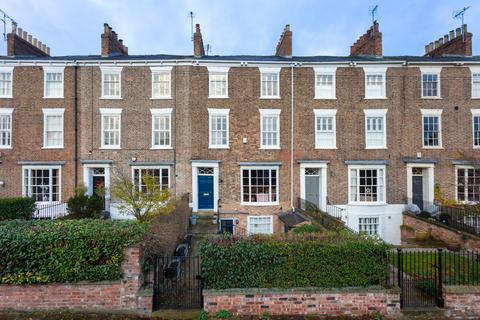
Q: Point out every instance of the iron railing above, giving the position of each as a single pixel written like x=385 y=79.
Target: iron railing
x=50 y=210
x=336 y=211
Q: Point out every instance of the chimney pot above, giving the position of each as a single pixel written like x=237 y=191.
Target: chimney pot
x=39 y=44
x=440 y=41
x=110 y=44
x=452 y=34
x=48 y=50
x=437 y=44
x=458 y=32
x=34 y=41
x=465 y=28
x=19 y=32
x=445 y=38
x=426 y=48
x=14 y=28
x=30 y=38
x=24 y=35
x=106 y=28
x=369 y=43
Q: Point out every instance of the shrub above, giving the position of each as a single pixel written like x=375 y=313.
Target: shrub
x=57 y=251
x=306 y=228
x=308 y=260
x=16 y=208
x=223 y=314
x=82 y=205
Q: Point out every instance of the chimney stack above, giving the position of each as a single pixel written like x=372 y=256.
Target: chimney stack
x=369 y=44
x=458 y=42
x=198 y=50
x=111 y=46
x=284 y=46
x=20 y=43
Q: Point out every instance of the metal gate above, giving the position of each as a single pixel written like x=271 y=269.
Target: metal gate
x=419 y=277
x=177 y=283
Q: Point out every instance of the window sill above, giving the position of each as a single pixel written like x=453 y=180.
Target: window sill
x=272 y=98
x=111 y=98
x=474 y=147
x=6 y=97
x=62 y=97
x=323 y=98
x=161 y=98
x=426 y=147
x=219 y=147
x=269 y=148
x=325 y=148
x=431 y=98
x=376 y=148
x=161 y=148
x=46 y=148
x=375 y=98
x=222 y=97
x=5 y=147
x=259 y=204
x=110 y=148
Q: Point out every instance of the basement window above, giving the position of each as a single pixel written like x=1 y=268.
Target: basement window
x=368 y=225
x=260 y=224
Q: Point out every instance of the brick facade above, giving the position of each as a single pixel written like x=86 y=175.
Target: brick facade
x=353 y=302
x=454 y=238
x=120 y=295
x=462 y=302
x=190 y=102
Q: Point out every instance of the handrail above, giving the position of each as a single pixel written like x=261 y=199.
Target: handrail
x=50 y=210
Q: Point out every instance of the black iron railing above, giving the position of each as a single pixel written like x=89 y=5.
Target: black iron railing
x=50 y=210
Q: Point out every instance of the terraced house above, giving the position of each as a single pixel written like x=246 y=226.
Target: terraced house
x=361 y=136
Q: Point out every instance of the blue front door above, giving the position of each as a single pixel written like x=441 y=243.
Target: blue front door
x=205 y=192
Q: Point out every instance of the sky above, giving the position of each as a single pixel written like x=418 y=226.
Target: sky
x=73 y=27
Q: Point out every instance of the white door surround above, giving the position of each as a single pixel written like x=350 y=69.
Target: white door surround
x=87 y=180
x=428 y=182
x=207 y=164
x=323 y=181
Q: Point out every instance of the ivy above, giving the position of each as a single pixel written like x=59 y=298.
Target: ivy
x=58 y=251
x=306 y=260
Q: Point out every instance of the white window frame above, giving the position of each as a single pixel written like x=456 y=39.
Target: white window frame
x=431 y=70
x=42 y=167
x=326 y=71
x=260 y=167
x=432 y=113
x=376 y=71
x=111 y=70
x=162 y=71
x=217 y=71
x=110 y=112
x=53 y=112
x=152 y=168
x=474 y=70
x=464 y=167
x=48 y=70
x=218 y=113
x=270 y=113
x=265 y=71
x=7 y=112
x=475 y=113
x=377 y=113
x=370 y=217
x=9 y=70
x=162 y=112
x=366 y=167
x=320 y=113
x=249 y=223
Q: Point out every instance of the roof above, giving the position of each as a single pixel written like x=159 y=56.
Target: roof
x=250 y=58
x=291 y=219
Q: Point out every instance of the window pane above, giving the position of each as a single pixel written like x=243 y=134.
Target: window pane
x=161 y=84
x=111 y=84
x=259 y=185
x=431 y=131
x=161 y=130
x=218 y=130
x=269 y=84
x=111 y=130
x=375 y=133
x=5 y=130
x=430 y=85
x=260 y=225
x=5 y=84
x=468 y=185
x=270 y=131
x=54 y=131
x=54 y=84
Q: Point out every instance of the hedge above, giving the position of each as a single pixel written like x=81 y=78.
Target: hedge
x=16 y=208
x=309 y=260
x=54 y=251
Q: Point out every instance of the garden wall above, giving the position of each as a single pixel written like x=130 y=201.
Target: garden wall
x=303 y=301
x=122 y=295
x=462 y=302
x=453 y=238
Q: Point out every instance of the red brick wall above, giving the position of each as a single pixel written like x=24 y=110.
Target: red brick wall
x=294 y=302
x=108 y=295
x=443 y=233
x=462 y=302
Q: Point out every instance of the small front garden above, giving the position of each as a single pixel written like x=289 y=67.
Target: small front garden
x=59 y=251
x=328 y=259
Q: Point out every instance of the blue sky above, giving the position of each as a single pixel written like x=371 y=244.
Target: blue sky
x=238 y=27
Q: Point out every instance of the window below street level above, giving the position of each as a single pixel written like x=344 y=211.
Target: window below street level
x=260 y=225
x=368 y=226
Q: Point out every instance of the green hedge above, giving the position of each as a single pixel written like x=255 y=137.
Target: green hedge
x=64 y=251
x=16 y=208
x=323 y=260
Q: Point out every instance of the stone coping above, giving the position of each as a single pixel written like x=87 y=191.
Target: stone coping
x=145 y=292
x=461 y=289
x=303 y=290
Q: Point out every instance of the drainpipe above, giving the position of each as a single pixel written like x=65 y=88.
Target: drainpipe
x=291 y=138
x=75 y=135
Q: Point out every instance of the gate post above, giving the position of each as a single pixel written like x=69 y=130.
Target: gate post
x=399 y=274
x=440 y=279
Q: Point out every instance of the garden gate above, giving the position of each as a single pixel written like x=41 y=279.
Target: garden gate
x=177 y=283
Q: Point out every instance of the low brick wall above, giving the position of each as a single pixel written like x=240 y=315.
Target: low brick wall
x=462 y=302
x=304 y=301
x=456 y=239
x=122 y=295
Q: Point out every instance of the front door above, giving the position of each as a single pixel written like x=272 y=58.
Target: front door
x=417 y=190
x=312 y=186
x=226 y=226
x=98 y=183
x=205 y=192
